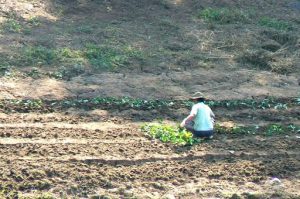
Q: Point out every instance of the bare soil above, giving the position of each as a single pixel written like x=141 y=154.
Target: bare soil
x=100 y=153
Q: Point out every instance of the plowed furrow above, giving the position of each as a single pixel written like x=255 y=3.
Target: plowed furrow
x=55 y=130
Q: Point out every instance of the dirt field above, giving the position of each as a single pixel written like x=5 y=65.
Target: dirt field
x=103 y=153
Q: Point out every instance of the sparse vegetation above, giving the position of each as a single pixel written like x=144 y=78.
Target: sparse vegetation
x=12 y=26
x=100 y=57
x=223 y=15
x=263 y=60
x=15 y=25
x=40 y=55
x=87 y=29
x=34 y=21
x=108 y=57
x=105 y=58
x=275 y=23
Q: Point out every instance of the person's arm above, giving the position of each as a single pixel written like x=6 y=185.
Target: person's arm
x=212 y=114
x=190 y=117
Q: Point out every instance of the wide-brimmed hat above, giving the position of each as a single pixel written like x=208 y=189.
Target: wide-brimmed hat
x=197 y=95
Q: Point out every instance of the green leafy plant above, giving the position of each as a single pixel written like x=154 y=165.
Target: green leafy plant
x=293 y=128
x=274 y=129
x=168 y=133
x=33 y=103
x=281 y=106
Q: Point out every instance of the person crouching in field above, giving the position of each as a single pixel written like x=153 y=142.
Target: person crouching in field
x=201 y=119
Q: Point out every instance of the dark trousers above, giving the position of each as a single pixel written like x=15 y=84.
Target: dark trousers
x=202 y=134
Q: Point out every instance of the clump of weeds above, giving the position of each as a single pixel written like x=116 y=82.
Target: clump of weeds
x=223 y=15
x=275 y=23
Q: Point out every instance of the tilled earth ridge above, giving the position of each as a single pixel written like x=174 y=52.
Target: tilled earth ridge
x=71 y=154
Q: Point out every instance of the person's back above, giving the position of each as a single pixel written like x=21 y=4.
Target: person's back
x=203 y=120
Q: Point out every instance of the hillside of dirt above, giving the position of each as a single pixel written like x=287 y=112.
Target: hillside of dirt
x=79 y=78
x=149 y=49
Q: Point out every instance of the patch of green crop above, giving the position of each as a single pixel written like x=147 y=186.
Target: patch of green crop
x=275 y=23
x=168 y=133
x=140 y=104
x=266 y=103
x=269 y=130
x=223 y=15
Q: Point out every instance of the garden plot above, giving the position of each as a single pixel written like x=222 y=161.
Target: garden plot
x=80 y=152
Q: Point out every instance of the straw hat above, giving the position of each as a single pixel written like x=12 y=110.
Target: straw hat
x=197 y=95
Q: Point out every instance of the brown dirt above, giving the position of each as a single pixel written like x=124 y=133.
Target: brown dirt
x=69 y=154
x=177 y=85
